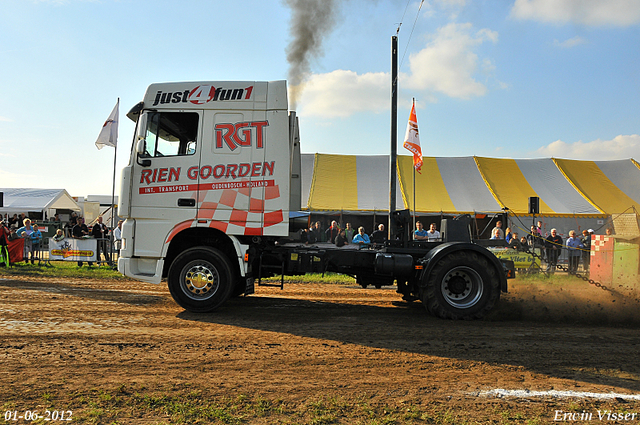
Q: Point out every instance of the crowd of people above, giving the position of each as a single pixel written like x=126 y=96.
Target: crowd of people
x=548 y=245
x=341 y=236
x=551 y=245
x=20 y=226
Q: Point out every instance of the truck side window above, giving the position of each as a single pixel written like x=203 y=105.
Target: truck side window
x=171 y=134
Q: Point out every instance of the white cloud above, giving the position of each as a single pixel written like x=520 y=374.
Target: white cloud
x=5 y=119
x=448 y=63
x=586 y=12
x=342 y=93
x=575 y=41
x=621 y=147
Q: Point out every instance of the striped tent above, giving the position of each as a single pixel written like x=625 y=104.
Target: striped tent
x=566 y=188
x=333 y=183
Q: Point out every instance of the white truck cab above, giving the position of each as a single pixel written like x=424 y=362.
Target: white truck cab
x=211 y=165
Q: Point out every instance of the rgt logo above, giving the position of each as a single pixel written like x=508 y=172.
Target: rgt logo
x=241 y=134
x=202 y=94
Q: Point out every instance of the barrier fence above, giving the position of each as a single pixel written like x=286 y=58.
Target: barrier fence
x=99 y=251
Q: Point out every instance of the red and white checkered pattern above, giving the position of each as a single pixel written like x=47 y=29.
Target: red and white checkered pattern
x=601 y=243
x=252 y=211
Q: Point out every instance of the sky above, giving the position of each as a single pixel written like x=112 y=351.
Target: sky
x=494 y=78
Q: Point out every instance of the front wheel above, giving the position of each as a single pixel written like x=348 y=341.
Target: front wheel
x=200 y=279
x=462 y=285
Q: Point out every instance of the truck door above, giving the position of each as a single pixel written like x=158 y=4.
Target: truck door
x=231 y=171
x=165 y=188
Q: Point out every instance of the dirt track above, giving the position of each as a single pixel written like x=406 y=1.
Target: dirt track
x=81 y=345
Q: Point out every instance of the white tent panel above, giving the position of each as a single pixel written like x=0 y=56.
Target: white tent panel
x=465 y=185
x=307 y=163
x=624 y=174
x=373 y=183
x=553 y=188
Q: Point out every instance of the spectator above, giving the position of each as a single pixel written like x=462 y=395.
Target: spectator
x=101 y=232
x=341 y=239
x=58 y=236
x=523 y=244
x=13 y=235
x=609 y=231
x=500 y=231
x=349 y=232
x=539 y=228
x=508 y=234
x=379 y=236
x=117 y=236
x=13 y=221
x=573 y=243
x=332 y=232
x=36 y=238
x=361 y=237
x=420 y=234
x=433 y=235
x=25 y=232
x=495 y=233
x=553 y=244
x=322 y=236
x=532 y=237
x=514 y=242
x=4 y=242
x=73 y=219
x=586 y=254
x=312 y=234
x=80 y=231
x=56 y=218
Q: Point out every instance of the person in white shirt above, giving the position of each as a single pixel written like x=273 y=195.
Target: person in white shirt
x=433 y=235
x=500 y=231
x=117 y=236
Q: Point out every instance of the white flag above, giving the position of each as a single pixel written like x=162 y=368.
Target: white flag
x=109 y=133
x=412 y=139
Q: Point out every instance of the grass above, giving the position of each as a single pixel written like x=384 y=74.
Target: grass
x=62 y=269
x=333 y=278
x=181 y=404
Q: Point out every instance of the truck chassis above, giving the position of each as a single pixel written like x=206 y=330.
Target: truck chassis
x=453 y=280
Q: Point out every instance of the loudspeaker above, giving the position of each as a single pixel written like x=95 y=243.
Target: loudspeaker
x=534 y=205
x=456 y=230
x=1 y=199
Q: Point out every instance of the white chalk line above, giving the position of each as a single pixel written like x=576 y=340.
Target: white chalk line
x=498 y=392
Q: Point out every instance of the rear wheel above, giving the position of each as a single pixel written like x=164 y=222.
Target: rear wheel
x=462 y=285
x=200 y=279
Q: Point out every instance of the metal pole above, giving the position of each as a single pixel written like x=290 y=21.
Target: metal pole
x=113 y=194
x=394 y=136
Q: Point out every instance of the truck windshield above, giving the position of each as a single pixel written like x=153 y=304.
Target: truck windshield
x=171 y=134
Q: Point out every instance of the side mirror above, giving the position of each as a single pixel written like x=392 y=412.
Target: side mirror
x=140 y=145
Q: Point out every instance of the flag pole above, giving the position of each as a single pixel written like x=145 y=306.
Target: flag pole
x=414 y=182
x=393 y=167
x=113 y=194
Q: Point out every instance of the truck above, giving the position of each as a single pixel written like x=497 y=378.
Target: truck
x=211 y=202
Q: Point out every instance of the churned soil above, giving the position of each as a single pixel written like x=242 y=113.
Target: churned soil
x=123 y=352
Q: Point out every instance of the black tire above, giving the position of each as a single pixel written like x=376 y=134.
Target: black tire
x=201 y=279
x=462 y=285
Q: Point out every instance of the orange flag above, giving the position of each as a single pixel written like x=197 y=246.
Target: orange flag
x=412 y=139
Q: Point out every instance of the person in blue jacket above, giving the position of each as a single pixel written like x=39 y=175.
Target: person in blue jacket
x=36 y=238
x=361 y=237
x=573 y=243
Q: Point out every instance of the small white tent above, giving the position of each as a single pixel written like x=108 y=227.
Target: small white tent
x=42 y=201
